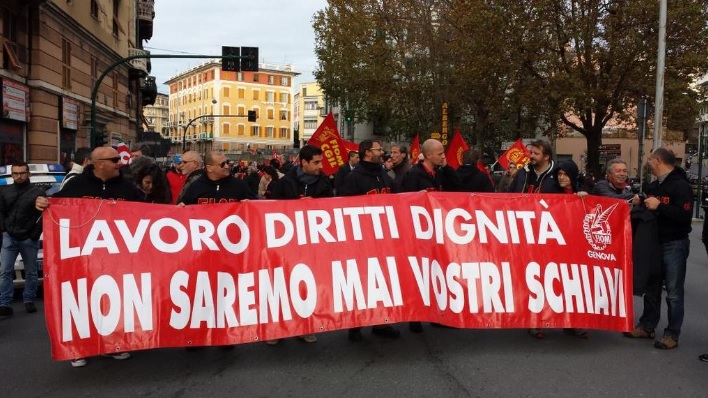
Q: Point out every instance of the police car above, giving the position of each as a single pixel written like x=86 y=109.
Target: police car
x=49 y=178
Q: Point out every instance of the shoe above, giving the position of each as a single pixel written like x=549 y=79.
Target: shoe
x=536 y=334
x=30 y=307
x=355 y=334
x=386 y=331
x=579 y=333
x=309 y=338
x=703 y=357
x=666 y=343
x=5 y=311
x=79 y=362
x=639 y=333
x=272 y=342
x=415 y=327
x=120 y=356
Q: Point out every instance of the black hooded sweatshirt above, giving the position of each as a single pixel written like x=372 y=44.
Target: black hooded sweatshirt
x=87 y=185
x=205 y=191
x=571 y=169
x=367 y=178
x=473 y=179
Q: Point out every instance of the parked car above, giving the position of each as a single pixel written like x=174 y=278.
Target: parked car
x=49 y=178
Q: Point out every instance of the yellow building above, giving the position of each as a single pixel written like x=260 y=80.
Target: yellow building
x=53 y=53
x=208 y=109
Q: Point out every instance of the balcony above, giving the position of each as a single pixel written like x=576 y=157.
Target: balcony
x=148 y=89
x=138 y=66
x=146 y=15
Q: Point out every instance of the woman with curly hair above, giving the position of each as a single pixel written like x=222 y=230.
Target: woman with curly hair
x=153 y=183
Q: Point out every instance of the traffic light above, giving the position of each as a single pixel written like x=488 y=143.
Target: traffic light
x=349 y=116
x=249 y=60
x=252 y=116
x=231 y=61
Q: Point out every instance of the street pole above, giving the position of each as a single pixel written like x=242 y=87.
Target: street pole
x=660 y=66
x=184 y=132
x=699 y=184
x=105 y=73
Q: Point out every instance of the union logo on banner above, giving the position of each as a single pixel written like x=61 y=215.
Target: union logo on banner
x=596 y=227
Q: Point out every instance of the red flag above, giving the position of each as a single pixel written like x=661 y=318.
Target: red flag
x=455 y=149
x=350 y=146
x=333 y=147
x=124 y=152
x=516 y=153
x=415 y=149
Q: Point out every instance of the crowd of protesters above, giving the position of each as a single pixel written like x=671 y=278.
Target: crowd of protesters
x=662 y=216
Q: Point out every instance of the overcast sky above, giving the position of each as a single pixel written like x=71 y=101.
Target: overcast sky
x=281 y=29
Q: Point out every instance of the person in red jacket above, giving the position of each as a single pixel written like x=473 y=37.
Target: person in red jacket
x=175 y=177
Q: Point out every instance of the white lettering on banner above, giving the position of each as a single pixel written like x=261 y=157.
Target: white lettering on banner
x=601 y=256
x=451 y=283
x=199 y=232
x=216 y=308
x=77 y=311
x=348 y=288
x=605 y=296
x=504 y=229
x=316 y=226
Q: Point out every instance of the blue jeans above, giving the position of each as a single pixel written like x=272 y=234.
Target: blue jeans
x=28 y=248
x=673 y=274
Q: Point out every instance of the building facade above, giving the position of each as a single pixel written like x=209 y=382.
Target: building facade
x=53 y=56
x=208 y=109
x=157 y=115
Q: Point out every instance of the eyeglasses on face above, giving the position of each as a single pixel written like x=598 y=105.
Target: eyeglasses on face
x=376 y=149
x=20 y=173
x=114 y=159
x=222 y=164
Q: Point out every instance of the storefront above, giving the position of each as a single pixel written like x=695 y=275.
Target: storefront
x=13 y=121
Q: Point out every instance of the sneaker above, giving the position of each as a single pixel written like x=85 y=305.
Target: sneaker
x=309 y=338
x=355 y=334
x=120 y=356
x=30 y=307
x=386 y=331
x=272 y=342
x=639 y=333
x=536 y=334
x=666 y=343
x=79 y=362
x=5 y=311
x=703 y=357
x=415 y=327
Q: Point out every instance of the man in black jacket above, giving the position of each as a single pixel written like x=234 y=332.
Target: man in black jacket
x=18 y=221
x=345 y=169
x=537 y=176
x=433 y=173
x=472 y=179
x=216 y=185
x=102 y=179
x=369 y=178
x=671 y=198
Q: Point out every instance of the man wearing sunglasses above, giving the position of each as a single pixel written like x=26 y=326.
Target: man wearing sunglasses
x=101 y=179
x=216 y=185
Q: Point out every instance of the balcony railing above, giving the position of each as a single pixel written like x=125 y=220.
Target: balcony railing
x=139 y=64
x=146 y=10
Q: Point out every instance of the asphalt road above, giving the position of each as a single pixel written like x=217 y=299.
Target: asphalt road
x=437 y=363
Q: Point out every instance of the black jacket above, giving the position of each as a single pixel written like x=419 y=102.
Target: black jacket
x=18 y=216
x=418 y=179
x=473 y=179
x=675 y=212
x=526 y=181
x=87 y=185
x=290 y=187
x=193 y=176
x=341 y=175
x=227 y=189
x=366 y=179
x=399 y=171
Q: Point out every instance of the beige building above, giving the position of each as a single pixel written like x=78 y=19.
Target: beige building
x=53 y=54
x=208 y=109
x=157 y=115
x=309 y=110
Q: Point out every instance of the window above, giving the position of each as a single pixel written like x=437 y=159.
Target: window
x=271 y=79
x=226 y=110
x=226 y=92
x=9 y=45
x=311 y=124
x=116 y=24
x=311 y=106
x=255 y=95
x=94 y=8
x=269 y=132
x=304 y=91
x=283 y=114
x=270 y=114
x=241 y=93
x=284 y=81
x=255 y=131
x=225 y=129
x=256 y=77
x=115 y=89
x=283 y=132
x=284 y=98
x=241 y=111
x=66 y=63
x=270 y=96
x=239 y=76
x=241 y=129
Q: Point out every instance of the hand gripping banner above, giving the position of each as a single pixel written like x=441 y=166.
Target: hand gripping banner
x=123 y=276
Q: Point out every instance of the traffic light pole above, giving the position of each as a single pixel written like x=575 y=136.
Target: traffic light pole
x=184 y=132
x=110 y=68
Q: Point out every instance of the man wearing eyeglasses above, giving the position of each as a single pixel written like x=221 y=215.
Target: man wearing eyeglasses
x=192 y=168
x=18 y=221
x=216 y=185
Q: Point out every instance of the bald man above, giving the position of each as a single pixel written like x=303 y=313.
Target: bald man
x=433 y=173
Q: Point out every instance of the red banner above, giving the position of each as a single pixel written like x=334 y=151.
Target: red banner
x=455 y=150
x=129 y=276
x=334 y=148
x=517 y=153
x=415 y=149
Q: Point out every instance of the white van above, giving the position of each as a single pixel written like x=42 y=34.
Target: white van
x=49 y=178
